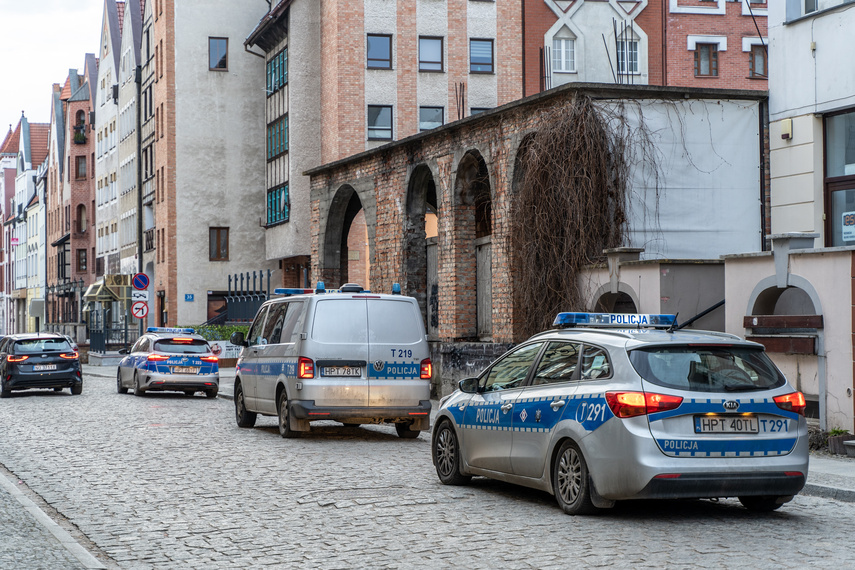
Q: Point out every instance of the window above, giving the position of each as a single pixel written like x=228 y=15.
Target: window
x=840 y=178
x=810 y=6
x=627 y=56
x=277 y=71
x=81 y=260
x=706 y=60
x=477 y=110
x=595 y=363
x=480 y=56
x=564 y=55
x=80 y=167
x=379 y=122
x=218 y=54
x=757 y=62
x=277 y=138
x=278 y=205
x=379 y=51
x=219 y=244
x=81 y=218
x=512 y=370
x=430 y=54
x=558 y=363
x=430 y=118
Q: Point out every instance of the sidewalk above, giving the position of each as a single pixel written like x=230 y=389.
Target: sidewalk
x=829 y=476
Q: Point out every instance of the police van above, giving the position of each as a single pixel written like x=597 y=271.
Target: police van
x=347 y=355
x=610 y=407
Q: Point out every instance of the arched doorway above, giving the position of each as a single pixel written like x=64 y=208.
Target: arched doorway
x=420 y=247
x=346 y=242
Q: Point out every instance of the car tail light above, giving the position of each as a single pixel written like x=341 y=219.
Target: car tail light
x=426 y=369
x=69 y=355
x=210 y=358
x=156 y=357
x=794 y=402
x=16 y=358
x=182 y=340
x=306 y=368
x=630 y=404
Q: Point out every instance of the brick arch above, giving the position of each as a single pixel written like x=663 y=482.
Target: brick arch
x=343 y=209
x=422 y=197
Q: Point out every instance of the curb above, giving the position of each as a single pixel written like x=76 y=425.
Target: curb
x=825 y=492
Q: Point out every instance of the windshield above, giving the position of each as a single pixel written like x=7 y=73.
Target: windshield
x=179 y=346
x=707 y=368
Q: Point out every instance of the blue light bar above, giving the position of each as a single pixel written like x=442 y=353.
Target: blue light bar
x=320 y=288
x=292 y=291
x=170 y=330
x=624 y=320
x=396 y=288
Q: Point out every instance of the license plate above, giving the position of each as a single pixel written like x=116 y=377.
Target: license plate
x=37 y=367
x=341 y=371
x=184 y=370
x=726 y=424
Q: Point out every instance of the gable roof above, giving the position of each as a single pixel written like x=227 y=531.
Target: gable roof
x=114 y=28
x=39 y=137
x=12 y=140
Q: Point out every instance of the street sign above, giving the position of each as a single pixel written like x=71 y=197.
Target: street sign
x=139 y=295
x=140 y=281
x=140 y=309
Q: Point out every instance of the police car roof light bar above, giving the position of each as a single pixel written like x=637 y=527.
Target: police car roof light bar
x=170 y=330
x=288 y=292
x=618 y=320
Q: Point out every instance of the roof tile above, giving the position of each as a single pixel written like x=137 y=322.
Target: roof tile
x=39 y=137
x=12 y=140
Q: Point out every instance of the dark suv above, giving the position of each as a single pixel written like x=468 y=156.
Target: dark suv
x=38 y=360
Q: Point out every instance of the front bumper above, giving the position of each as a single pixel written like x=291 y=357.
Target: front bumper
x=419 y=415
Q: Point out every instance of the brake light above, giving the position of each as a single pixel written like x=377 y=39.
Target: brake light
x=794 y=402
x=69 y=356
x=426 y=369
x=15 y=358
x=156 y=357
x=182 y=340
x=305 y=367
x=630 y=404
x=210 y=358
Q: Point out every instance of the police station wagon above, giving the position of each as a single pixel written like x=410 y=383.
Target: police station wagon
x=613 y=407
x=346 y=355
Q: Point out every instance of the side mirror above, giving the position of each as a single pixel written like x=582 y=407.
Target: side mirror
x=468 y=385
x=237 y=338
x=124 y=350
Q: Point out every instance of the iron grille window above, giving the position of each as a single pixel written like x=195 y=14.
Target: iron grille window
x=278 y=205
x=277 y=71
x=277 y=137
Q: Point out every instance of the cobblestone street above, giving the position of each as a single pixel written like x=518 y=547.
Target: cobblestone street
x=169 y=481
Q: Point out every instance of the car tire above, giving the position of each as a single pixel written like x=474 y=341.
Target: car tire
x=77 y=389
x=245 y=418
x=284 y=417
x=763 y=503
x=119 y=387
x=570 y=481
x=211 y=393
x=138 y=391
x=5 y=392
x=446 y=456
x=404 y=431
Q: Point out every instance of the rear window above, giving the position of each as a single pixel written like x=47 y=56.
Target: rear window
x=393 y=322
x=177 y=346
x=707 y=368
x=31 y=345
x=341 y=321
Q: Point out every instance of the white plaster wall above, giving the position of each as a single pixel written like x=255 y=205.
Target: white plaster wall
x=803 y=80
x=481 y=24
x=107 y=164
x=381 y=85
x=127 y=152
x=220 y=153
x=642 y=279
x=304 y=130
x=432 y=20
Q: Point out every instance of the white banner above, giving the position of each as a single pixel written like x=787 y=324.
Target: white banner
x=224 y=349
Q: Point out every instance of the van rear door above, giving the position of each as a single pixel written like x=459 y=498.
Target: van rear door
x=339 y=347
x=396 y=347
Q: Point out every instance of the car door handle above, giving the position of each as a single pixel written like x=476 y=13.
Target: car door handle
x=507 y=407
x=557 y=404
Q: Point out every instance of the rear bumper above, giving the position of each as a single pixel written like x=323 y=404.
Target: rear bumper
x=58 y=379
x=709 y=485
x=419 y=415
x=181 y=382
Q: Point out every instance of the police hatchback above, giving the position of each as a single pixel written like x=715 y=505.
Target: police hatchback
x=169 y=359
x=614 y=406
x=346 y=355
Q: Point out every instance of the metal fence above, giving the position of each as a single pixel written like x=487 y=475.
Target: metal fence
x=244 y=298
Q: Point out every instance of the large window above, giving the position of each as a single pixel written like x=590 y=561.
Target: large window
x=379 y=51
x=277 y=137
x=277 y=71
x=219 y=244
x=218 y=54
x=757 y=63
x=840 y=178
x=706 y=60
x=80 y=167
x=430 y=54
x=278 y=205
x=481 y=56
x=627 y=56
x=430 y=118
x=564 y=55
x=379 y=122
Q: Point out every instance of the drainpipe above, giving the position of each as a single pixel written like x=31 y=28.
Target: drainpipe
x=138 y=80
